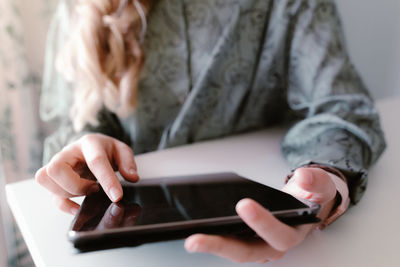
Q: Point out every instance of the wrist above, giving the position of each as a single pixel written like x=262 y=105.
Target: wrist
x=335 y=208
x=342 y=200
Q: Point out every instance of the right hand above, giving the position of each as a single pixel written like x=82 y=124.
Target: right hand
x=74 y=170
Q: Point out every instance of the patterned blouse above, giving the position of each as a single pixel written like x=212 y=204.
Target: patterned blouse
x=219 y=67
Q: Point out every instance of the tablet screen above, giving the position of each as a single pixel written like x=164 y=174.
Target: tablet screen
x=177 y=199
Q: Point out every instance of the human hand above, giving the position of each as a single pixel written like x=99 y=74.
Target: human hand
x=74 y=170
x=276 y=238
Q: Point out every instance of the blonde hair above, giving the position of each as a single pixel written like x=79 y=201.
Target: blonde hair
x=103 y=57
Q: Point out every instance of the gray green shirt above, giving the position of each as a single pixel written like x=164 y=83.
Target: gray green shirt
x=219 y=67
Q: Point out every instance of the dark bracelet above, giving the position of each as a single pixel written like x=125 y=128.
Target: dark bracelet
x=338 y=200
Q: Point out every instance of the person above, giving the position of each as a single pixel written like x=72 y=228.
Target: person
x=135 y=75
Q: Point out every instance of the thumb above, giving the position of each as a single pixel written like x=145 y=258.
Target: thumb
x=311 y=183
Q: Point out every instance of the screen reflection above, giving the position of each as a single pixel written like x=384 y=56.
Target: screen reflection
x=178 y=199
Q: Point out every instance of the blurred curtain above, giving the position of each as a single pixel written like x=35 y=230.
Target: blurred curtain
x=23 y=25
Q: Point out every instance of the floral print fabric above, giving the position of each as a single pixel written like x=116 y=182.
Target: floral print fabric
x=219 y=67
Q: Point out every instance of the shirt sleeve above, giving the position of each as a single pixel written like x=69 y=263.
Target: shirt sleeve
x=57 y=94
x=339 y=125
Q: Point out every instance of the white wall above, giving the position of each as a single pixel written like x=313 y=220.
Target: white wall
x=372 y=29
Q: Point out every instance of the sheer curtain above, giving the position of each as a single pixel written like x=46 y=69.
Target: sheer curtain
x=23 y=26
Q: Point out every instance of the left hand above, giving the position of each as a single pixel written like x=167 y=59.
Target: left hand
x=276 y=238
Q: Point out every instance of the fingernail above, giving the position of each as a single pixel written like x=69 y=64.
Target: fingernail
x=132 y=171
x=246 y=209
x=193 y=247
x=115 y=194
x=74 y=211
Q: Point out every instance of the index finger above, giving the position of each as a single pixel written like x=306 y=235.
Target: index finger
x=99 y=164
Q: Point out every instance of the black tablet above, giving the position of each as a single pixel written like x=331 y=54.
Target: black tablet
x=169 y=208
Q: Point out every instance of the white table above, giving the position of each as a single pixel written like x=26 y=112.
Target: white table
x=368 y=235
